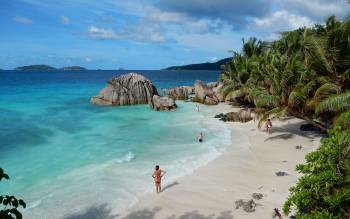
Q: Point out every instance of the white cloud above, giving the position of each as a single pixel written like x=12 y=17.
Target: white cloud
x=136 y=33
x=317 y=9
x=22 y=20
x=187 y=24
x=88 y=59
x=281 y=20
x=102 y=33
x=65 y=20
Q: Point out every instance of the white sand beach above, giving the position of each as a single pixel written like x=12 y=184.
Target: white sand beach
x=246 y=167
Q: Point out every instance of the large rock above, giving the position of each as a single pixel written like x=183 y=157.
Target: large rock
x=217 y=91
x=127 y=89
x=209 y=94
x=181 y=93
x=204 y=94
x=162 y=103
x=244 y=115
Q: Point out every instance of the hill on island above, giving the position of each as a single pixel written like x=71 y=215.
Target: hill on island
x=201 y=66
x=35 y=68
x=48 y=68
x=73 y=68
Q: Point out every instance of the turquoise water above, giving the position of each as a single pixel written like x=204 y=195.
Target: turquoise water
x=65 y=155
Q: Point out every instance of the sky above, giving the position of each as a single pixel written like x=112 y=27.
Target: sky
x=145 y=34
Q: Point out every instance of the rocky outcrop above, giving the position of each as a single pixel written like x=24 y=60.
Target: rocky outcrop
x=243 y=115
x=204 y=94
x=208 y=94
x=181 y=93
x=217 y=91
x=162 y=103
x=127 y=89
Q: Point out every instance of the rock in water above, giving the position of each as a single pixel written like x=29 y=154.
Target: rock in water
x=127 y=89
x=162 y=103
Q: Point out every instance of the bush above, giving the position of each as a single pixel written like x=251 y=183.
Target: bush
x=324 y=189
x=9 y=203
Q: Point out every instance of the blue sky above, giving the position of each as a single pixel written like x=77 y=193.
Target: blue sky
x=145 y=34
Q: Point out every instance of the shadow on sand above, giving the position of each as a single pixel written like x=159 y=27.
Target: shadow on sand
x=150 y=214
x=104 y=212
x=94 y=212
x=287 y=131
x=170 y=185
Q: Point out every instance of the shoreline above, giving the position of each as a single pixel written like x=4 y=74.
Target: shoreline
x=241 y=170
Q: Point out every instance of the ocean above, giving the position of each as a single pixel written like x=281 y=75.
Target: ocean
x=65 y=156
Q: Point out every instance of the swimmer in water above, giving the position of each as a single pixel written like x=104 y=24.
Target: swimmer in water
x=200 y=137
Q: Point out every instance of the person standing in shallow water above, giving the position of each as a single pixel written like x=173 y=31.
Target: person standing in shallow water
x=157 y=176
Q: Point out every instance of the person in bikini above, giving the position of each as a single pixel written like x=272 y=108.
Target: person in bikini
x=268 y=126
x=157 y=176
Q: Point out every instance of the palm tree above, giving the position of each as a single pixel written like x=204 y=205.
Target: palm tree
x=306 y=73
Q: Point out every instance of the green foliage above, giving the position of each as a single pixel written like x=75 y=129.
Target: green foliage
x=324 y=189
x=306 y=73
x=9 y=203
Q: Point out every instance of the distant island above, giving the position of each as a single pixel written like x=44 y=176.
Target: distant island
x=35 y=68
x=201 y=66
x=73 y=68
x=48 y=68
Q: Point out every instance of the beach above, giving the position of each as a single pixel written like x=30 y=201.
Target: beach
x=247 y=166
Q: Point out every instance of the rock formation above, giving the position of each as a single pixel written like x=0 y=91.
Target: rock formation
x=243 y=115
x=162 y=103
x=208 y=94
x=204 y=94
x=217 y=91
x=127 y=89
x=181 y=93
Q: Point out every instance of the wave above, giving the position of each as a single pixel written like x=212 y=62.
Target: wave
x=127 y=158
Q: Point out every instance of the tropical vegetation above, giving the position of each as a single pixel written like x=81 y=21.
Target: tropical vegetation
x=324 y=189
x=305 y=73
x=9 y=203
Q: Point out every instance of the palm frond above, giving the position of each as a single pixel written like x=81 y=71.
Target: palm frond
x=325 y=90
x=296 y=98
x=276 y=112
x=335 y=103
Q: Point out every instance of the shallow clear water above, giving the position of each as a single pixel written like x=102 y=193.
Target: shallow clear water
x=65 y=155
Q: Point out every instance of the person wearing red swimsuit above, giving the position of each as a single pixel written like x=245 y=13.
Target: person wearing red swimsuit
x=157 y=176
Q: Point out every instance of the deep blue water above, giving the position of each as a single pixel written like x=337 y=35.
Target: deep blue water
x=56 y=146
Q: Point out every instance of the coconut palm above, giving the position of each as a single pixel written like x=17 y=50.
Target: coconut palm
x=306 y=73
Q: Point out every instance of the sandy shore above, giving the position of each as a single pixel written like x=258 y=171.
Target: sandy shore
x=246 y=167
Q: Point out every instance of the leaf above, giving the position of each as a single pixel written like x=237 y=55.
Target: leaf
x=325 y=90
x=14 y=202
x=16 y=213
x=22 y=203
x=335 y=103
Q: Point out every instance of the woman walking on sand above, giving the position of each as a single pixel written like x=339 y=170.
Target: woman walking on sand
x=157 y=176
